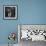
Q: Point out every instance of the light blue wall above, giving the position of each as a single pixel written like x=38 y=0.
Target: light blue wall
x=7 y=26
x=33 y=12
x=29 y=12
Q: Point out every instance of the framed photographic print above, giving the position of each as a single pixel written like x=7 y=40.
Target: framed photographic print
x=33 y=32
x=10 y=12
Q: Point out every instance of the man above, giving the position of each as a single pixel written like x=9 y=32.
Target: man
x=9 y=12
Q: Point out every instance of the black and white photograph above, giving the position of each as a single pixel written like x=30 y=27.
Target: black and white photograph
x=10 y=12
x=31 y=34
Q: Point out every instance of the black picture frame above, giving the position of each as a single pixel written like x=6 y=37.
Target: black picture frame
x=10 y=12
